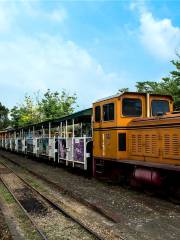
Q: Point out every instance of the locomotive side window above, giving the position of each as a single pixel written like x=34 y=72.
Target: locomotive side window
x=159 y=106
x=97 y=114
x=131 y=107
x=108 y=112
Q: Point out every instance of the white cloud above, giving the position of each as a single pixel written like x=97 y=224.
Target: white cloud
x=11 y=10
x=30 y=64
x=158 y=36
x=138 y=6
x=58 y=15
x=7 y=14
x=33 y=9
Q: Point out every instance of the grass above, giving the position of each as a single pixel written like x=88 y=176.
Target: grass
x=26 y=175
x=35 y=184
x=6 y=195
x=29 y=232
x=22 y=221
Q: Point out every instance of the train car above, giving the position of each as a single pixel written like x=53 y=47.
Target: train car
x=13 y=144
x=66 y=140
x=74 y=140
x=31 y=144
x=111 y=119
x=3 y=135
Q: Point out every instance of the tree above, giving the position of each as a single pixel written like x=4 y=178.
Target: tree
x=4 y=121
x=15 y=116
x=55 y=104
x=122 y=90
x=26 y=113
x=168 y=85
x=50 y=105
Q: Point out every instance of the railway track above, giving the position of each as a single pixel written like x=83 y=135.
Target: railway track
x=143 y=217
x=41 y=207
x=98 y=225
x=115 y=218
x=42 y=235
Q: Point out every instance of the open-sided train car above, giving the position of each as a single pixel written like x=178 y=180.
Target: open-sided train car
x=66 y=140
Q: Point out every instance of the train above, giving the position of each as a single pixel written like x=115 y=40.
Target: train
x=129 y=136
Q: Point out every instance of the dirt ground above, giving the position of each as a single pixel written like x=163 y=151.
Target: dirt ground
x=141 y=216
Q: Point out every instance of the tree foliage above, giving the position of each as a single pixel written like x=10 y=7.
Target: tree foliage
x=123 y=90
x=50 y=105
x=25 y=113
x=55 y=104
x=168 y=85
x=4 y=121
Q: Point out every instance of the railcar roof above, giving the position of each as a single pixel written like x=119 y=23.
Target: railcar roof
x=130 y=93
x=78 y=116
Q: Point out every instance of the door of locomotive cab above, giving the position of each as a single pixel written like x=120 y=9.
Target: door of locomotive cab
x=104 y=139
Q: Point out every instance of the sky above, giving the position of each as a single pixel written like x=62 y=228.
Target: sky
x=91 y=48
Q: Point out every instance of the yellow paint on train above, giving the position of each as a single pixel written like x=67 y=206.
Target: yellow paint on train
x=155 y=140
x=124 y=129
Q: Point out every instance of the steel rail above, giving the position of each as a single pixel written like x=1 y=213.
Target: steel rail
x=42 y=235
x=105 y=213
x=56 y=206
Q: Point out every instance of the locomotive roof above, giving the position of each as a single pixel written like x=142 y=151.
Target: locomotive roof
x=130 y=93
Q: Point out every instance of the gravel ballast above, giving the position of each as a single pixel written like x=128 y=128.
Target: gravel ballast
x=141 y=216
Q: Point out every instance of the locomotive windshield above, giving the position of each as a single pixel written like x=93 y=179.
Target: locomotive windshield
x=131 y=107
x=159 y=106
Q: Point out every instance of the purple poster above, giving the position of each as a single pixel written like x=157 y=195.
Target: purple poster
x=79 y=150
x=62 y=148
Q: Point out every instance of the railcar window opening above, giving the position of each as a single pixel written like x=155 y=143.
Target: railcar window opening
x=97 y=114
x=131 y=107
x=159 y=106
x=108 y=112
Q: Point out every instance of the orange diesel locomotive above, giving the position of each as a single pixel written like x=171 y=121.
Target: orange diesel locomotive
x=135 y=137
